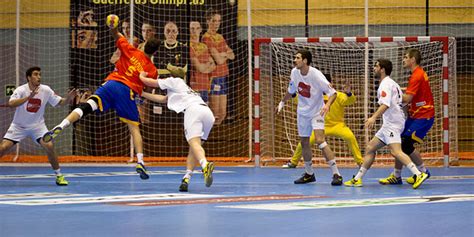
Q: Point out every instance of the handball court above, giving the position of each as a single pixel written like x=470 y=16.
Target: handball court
x=243 y=201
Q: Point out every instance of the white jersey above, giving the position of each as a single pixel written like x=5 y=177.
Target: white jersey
x=390 y=94
x=180 y=95
x=310 y=89
x=31 y=113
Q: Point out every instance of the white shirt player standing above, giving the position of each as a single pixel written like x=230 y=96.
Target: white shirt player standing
x=389 y=97
x=198 y=121
x=310 y=84
x=30 y=101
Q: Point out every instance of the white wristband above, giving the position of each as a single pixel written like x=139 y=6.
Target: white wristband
x=280 y=105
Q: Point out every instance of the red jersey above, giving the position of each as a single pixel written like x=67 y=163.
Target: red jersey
x=131 y=62
x=199 y=81
x=218 y=42
x=422 y=104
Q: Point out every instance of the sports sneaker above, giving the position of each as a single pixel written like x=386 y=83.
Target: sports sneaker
x=353 y=183
x=141 y=169
x=412 y=179
x=184 y=185
x=419 y=180
x=288 y=165
x=391 y=179
x=305 y=178
x=51 y=134
x=207 y=172
x=336 y=180
x=61 y=181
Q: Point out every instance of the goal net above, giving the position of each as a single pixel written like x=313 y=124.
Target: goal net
x=72 y=45
x=351 y=60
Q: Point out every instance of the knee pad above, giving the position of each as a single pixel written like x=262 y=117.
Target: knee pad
x=323 y=145
x=87 y=108
x=408 y=145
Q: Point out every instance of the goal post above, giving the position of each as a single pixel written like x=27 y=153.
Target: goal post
x=275 y=136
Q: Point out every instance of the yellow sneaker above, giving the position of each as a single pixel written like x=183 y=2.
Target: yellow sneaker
x=353 y=183
x=61 y=181
x=207 y=172
x=419 y=180
x=391 y=179
x=412 y=179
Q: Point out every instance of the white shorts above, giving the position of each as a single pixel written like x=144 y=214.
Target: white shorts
x=16 y=133
x=198 y=121
x=306 y=125
x=389 y=135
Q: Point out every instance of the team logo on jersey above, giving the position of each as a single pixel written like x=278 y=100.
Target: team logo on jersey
x=383 y=94
x=33 y=105
x=304 y=90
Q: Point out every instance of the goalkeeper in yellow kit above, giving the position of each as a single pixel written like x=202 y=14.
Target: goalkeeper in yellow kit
x=334 y=126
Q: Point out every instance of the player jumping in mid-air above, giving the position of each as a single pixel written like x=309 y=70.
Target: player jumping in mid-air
x=310 y=84
x=389 y=97
x=198 y=121
x=30 y=101
x=118 y=92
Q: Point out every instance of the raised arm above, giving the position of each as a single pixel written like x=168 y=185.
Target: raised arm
x=17 y=102
x=155 y=97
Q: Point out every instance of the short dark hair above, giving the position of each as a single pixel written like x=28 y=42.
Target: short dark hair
x=30 y=71
x=151 y=46
x=210 y=13
x=414 y=53
x=305 y=54
x=385 y=64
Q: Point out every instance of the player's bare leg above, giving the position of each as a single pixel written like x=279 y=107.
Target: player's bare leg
x=191 y=163
x=396 y=151
x=308 y=175
x=195 y=148
x=328 y=155
x=5 y=146
x=138 y=146
x=369 y=158
x=53 y=160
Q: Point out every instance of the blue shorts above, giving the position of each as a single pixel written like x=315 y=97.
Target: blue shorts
x=417 y=128
x=118 y=96
x=219 y=86
x=204 y=95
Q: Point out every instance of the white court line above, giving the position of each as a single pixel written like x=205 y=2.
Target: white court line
x=38 y=195
x=106 y=199
x=98 y=174
x=354 y=203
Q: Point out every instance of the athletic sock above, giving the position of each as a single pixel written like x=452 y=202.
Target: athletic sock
x=203 y=163
x=64 y=124
x=413 y=169
x=360 y=173
x=333 y=166
x=188 y=174
x=397 y=173
x=140 y=158
x=58 y=172
x=421 y=168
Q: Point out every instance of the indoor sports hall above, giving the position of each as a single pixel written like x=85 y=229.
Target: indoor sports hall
x=236 y=56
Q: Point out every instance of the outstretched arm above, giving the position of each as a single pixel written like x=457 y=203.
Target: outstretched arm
x=70 y=95
x=155 y=97
x=148 y=81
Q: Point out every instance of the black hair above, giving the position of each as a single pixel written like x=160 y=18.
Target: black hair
x=385 y=64
x=30 y=71
x=305 y=54
x=151 y=46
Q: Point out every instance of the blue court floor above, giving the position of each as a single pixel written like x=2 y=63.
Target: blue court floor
x=113 y=201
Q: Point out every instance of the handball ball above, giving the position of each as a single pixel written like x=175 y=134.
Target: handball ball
x=112 y=21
